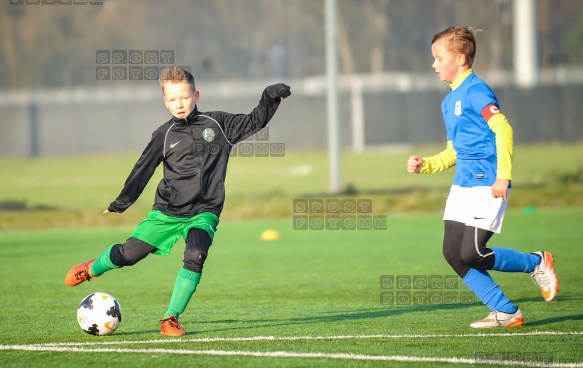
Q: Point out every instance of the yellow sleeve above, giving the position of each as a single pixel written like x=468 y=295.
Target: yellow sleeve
x=504 y=145
x=440 y=162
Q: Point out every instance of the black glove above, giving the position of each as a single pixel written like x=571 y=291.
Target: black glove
x=278 y=91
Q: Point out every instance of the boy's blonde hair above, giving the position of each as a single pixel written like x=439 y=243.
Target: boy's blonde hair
x=176 y=75
x=459 y=40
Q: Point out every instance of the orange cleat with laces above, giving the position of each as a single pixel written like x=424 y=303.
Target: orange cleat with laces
x=170 y=327
x=545 y=277
x=79 y=273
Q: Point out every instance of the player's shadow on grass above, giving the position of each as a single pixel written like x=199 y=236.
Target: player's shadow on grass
x=546 y=321
x=354 y=315
x=538 y=299
x=389 y=311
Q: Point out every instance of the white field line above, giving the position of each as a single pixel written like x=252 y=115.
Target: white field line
x=301 y=338
x=285 y=354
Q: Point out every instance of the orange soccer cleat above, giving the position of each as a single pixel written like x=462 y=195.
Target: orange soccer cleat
x=170 y=327
x=545 y=277
x=79 y=273
x=500 y=319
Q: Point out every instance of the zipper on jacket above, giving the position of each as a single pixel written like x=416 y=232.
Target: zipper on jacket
x=199 y=161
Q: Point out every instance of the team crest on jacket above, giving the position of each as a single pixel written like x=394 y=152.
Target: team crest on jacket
x=458 y=108
x=208 y=134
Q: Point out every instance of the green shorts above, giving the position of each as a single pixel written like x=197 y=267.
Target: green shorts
x=162 y=231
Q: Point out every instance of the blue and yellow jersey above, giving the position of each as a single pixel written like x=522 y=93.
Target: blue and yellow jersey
x=479 y=138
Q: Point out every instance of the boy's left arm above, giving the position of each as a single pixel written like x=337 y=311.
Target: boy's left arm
x=504 y=149
x=241 y=126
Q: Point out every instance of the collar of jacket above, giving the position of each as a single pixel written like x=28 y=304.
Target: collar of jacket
x=191 y=118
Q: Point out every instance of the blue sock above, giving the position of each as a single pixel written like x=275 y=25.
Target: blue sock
x=486 y=289
x=510 y=260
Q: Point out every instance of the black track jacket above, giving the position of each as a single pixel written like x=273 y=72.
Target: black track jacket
x=195 y=152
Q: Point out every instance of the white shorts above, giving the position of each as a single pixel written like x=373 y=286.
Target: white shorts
x=476 y=207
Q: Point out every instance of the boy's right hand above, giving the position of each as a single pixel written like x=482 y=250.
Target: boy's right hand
x=414 y=164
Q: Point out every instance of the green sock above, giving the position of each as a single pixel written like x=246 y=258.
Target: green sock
x=184 y=287
x=103 y=263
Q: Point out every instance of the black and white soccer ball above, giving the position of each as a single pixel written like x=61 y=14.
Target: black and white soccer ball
x=99 y=314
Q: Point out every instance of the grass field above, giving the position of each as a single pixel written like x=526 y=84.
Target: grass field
x=311 y=298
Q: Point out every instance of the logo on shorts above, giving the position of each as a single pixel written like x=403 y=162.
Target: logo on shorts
x=458 y=108
x=208 y=134
x=480 y=176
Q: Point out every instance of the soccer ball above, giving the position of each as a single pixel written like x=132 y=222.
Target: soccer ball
x=99 y=314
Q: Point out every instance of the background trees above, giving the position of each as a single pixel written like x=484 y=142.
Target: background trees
x=55 y=45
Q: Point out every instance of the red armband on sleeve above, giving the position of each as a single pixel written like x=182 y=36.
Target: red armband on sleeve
x=490 y=111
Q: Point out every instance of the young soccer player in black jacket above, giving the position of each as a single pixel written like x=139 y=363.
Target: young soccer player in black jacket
x=194 y=147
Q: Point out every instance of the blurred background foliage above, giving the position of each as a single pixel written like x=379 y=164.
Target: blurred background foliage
x=53 y=46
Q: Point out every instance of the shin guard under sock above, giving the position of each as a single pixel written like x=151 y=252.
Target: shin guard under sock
x=184 y=287
x=510 y=260
x=488 y=291
x=103 y=263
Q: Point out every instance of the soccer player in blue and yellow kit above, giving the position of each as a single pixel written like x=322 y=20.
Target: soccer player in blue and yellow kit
x=480 y=145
